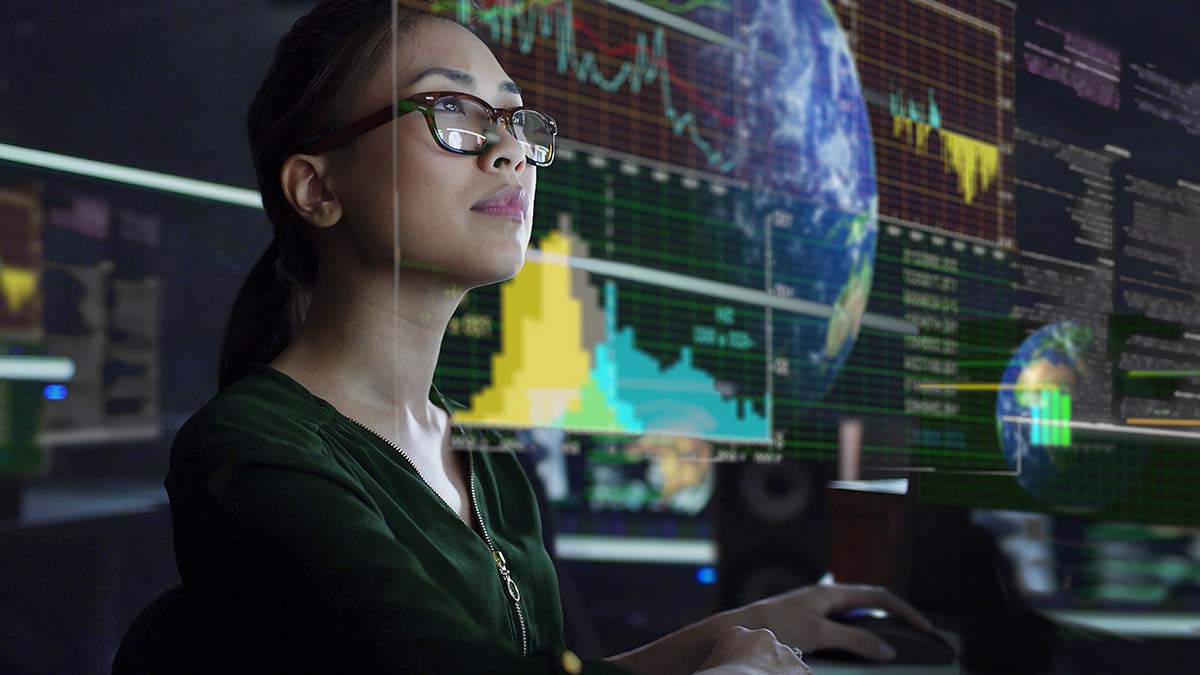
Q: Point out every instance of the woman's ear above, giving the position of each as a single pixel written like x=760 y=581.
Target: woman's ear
x=304 y=184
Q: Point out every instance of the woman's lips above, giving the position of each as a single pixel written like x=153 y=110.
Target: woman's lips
x=509 y=202
x=514 y=211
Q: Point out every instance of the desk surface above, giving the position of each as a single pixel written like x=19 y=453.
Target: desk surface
x=820 y=667
x=57 y=501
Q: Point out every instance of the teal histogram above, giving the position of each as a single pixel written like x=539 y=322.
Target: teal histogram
x=635 y=384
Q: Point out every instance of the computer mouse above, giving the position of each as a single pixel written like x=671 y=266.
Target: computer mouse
x=913 y=645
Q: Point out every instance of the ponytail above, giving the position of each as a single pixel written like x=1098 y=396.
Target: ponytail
x=317 y=68
x=269 y=310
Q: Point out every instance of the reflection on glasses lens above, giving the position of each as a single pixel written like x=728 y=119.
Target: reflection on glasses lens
x=461 y=123
x=533 y=131
x=464 y=125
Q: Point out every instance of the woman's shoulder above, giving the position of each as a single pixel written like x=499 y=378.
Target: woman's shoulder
x=259 y=418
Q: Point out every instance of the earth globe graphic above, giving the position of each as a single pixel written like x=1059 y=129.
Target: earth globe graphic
x=806 y=153
x=1032 y=410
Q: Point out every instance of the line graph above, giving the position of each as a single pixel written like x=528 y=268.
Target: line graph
x=939 y=81
x=572 y=63
x=975 y=162
x=551 y=28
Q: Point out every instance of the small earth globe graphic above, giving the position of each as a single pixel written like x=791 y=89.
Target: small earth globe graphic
x=1064 y=468
x=806 y=153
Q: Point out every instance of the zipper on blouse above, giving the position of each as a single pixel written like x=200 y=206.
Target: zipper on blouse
x=507 y=582
x=501 y=564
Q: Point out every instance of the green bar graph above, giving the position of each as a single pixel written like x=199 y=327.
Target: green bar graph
x=1066 y=418
x=1051 y=419
x=1055 y=415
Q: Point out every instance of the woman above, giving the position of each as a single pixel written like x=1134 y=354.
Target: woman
x=322 y=521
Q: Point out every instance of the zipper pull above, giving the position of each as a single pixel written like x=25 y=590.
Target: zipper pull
x=502 y=565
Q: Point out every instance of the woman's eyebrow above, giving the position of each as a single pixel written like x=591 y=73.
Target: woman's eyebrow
x=464 y=78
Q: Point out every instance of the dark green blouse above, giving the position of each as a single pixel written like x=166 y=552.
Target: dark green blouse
x=306 y=543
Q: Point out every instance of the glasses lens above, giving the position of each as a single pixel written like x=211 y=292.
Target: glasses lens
x=461 y=123
x=533 y=130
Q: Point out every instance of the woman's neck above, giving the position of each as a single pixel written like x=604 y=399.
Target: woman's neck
x=372 y=351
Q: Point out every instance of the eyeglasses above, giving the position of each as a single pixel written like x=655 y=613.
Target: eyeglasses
x=460 y=123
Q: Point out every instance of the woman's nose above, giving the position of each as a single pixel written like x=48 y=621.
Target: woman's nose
x=503 y=145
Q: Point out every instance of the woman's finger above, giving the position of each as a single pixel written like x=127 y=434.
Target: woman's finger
x=844 y=597
x=837 y=636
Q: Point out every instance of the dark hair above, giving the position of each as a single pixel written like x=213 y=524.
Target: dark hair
x=317 y=68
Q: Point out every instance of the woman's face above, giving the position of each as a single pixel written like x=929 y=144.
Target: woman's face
x=435 y=189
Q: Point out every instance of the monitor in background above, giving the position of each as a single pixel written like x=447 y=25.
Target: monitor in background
x=963 y=232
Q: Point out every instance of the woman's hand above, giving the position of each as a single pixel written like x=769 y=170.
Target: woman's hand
x=796 y=618
x=799 y=618
x=742 y=651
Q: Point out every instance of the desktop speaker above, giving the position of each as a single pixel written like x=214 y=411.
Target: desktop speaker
x=771 y=526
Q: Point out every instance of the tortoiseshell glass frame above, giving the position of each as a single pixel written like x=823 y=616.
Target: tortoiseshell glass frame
x=424 y=102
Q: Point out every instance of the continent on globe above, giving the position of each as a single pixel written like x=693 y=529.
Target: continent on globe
x=1053 y=464
x=805 y=151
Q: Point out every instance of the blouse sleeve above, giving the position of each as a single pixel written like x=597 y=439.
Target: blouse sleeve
x=288 y=567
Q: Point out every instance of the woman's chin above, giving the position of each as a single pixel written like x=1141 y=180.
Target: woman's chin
x=512 y=268
x=498 y=268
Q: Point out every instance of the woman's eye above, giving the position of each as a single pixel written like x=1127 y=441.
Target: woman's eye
x=451 y=105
